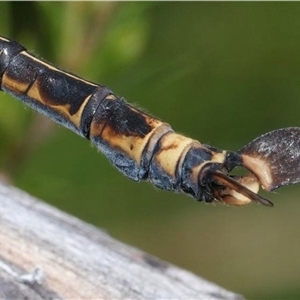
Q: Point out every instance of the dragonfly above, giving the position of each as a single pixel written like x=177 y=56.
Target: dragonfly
x=145 y=148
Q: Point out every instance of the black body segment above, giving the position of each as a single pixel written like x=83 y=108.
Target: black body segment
x=90 y=109
x=8 y=50
x=196 y=156
x=58 y=95
x=143 y=147
x=122 y=132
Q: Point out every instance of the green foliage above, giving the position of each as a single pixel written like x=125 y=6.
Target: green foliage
x=222 y=73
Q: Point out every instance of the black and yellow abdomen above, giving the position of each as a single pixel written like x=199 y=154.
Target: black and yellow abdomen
x=141 y=146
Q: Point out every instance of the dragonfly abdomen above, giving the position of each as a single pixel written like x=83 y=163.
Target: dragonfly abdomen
x=59 y=95
x=143 y=147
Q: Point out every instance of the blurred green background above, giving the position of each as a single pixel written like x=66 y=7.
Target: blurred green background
x=223 y=73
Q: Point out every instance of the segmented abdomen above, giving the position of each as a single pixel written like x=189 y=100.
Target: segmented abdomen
x=139 y=145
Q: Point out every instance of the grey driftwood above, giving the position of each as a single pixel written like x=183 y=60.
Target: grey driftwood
x=48 y=254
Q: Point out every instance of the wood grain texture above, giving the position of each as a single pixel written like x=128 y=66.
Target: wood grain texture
x=47 y=254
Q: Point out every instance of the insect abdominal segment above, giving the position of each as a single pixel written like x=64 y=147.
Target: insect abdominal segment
x=140 y=146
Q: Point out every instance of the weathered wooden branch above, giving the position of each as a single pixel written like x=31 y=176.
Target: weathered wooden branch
x=47 y=254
